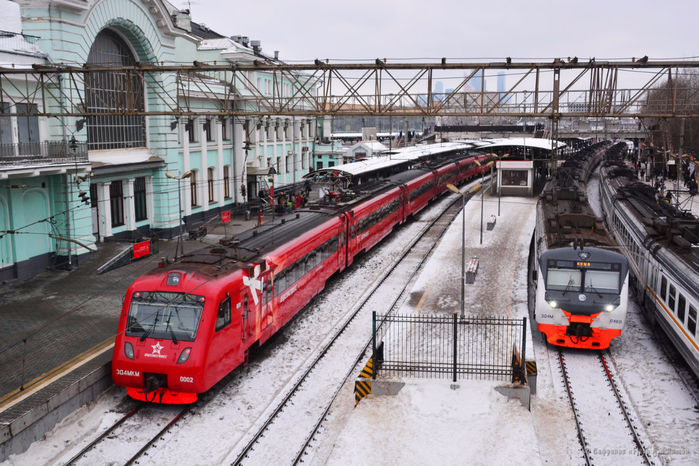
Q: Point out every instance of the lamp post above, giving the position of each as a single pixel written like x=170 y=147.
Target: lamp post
x=179 y=199
x=455 y=190
x=500 y=157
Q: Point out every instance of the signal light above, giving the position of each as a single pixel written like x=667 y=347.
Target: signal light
x=184 y=355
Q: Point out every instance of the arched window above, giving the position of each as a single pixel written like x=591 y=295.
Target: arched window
x=193 y=179
x=110 y=91
x=227 y=181
x=211 y=176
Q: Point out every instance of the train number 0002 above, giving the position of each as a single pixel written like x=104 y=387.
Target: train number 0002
x=187 y=379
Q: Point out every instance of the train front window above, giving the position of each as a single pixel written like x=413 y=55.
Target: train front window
x=563 y=279
x=172 y=316
x=598 y=281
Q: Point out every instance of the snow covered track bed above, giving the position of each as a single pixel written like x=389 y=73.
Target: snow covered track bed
x=606 y=429
x=142 y=426
x=310 y=396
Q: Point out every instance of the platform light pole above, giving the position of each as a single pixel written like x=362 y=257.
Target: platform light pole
x=179 y=199
x=500 y=157
x=455 y=190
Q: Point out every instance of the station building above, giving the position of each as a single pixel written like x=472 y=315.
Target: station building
x=67 y=183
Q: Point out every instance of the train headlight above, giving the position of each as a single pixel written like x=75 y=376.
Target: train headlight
x=609 y=307
x=553 y=304
x=128 y=350
x=184 y=355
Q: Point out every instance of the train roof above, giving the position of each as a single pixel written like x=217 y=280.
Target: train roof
x=566 y=216
x=662 y=222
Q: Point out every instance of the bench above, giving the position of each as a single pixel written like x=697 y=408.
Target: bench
x=472 y=270
x=491 y=222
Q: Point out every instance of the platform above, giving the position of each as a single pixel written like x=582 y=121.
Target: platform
x=58 y=334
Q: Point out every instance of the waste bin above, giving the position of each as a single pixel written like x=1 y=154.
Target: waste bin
x=247 y=215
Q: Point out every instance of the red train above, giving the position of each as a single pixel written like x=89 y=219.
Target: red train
x=184 y=326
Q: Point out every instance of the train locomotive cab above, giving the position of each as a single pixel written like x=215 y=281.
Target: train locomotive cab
x=164 y=342
x=582 y=297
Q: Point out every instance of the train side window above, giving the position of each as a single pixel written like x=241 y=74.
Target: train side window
x=279 y=283
x=663 y=288
x=681 y=305
x=671 y=298
x=224 y=314
x=692 y=321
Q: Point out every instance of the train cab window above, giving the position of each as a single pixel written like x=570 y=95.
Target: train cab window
x=663 y=288
x=681 y=306
x=671 y=298
x=224 y=314
x=563 y=279
x=692 y=321
x=165 y=315
x=601 y=281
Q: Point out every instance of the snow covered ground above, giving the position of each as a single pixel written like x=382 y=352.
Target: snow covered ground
x=428 y=422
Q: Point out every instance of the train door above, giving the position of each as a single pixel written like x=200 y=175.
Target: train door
x=247 y=317
x=405 y=202
x=267 y=311
x=341 y=251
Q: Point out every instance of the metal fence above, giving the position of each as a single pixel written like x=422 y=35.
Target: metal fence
x=43 y=153
x=440 y=346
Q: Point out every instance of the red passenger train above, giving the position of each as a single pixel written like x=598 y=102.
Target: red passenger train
x=184 y=326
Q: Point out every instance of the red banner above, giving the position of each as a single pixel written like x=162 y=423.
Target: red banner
x=225 y=217
x=141 y=249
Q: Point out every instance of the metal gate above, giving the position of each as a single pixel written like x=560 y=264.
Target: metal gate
x=439 y=346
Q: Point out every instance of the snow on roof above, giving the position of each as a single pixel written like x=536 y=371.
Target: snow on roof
x=223 y=43
x=398 y=157
x=538 y=143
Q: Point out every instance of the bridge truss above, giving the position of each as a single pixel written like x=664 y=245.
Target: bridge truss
x=560 y=89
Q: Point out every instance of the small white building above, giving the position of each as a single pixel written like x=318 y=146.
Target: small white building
x=362 y=150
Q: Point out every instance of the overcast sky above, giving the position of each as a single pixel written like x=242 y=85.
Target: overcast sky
x=494 y=29
x=461 y=30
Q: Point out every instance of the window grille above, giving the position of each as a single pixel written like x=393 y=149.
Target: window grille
x=109 y=91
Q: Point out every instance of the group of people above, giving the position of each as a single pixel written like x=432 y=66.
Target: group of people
x=288 y=203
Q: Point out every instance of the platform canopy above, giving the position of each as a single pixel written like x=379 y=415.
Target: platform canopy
x=396 y=158
x=536 y=143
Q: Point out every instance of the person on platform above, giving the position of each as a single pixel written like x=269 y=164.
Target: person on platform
x=692 y=186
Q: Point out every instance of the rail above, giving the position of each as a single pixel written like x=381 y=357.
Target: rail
x=43 y=153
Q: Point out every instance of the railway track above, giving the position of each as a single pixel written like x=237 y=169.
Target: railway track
x=138 y=424
x=313 y=390
x=606 y=429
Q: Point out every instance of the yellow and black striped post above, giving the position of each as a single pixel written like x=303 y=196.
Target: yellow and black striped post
x=362 y=388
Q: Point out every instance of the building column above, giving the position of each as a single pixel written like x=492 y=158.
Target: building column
x=106 y=209
x=187 y=195
x=219 y=169
x=130 y=205
x=204 y=188
x=149 y=200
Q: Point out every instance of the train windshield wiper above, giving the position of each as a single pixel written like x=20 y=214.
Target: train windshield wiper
x=570 y=282
x=150 y=329
x=595 y=290
x=172 y=331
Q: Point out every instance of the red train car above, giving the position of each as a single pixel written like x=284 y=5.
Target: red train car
x=184 y=326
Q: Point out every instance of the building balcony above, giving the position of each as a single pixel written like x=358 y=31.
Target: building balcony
x=47 y=153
